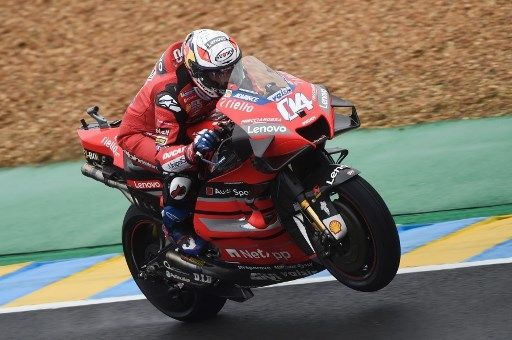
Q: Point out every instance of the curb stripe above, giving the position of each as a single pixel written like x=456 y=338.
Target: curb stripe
x=38 y=275
x=463 y=244
x=296 y=282
x=81 y=285
x=11 y=268
x=107 y=276
x=405 y=227
x=501 y=250
x=417 y=237
x=128 y=287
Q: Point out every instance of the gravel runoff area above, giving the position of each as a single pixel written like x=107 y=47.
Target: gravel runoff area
x=399 y=62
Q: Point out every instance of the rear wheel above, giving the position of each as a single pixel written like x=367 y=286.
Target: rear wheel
x=142 y=239
x=368 y=257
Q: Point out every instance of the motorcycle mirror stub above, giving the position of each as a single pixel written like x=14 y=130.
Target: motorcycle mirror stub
x=94 y=112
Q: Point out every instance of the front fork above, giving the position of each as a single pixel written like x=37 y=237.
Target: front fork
x=335 y=230
x=318 y=209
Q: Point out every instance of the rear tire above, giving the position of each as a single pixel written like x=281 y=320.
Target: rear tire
x=369 y=255
x=142 y=238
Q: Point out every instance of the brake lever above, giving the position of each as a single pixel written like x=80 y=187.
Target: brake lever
x=215 y=165
x=201 y=158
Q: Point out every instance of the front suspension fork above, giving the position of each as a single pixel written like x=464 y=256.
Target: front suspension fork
x=315 y=220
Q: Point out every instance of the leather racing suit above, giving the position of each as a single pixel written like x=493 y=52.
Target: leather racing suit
x=155 y=130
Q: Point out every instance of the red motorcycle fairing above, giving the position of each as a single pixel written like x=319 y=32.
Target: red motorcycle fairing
x=97 y=142
x=227 y=205
x=232 y=211
x=277 y=249
x=284 y=119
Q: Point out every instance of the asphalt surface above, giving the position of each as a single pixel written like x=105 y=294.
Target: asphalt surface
x=468 y=303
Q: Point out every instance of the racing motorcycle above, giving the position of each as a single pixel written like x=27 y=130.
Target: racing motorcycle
x=274 y=204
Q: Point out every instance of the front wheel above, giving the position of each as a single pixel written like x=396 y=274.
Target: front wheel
x=142 y=239
x=368 y=257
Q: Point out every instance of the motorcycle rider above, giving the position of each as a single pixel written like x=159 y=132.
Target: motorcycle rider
x=180 y=94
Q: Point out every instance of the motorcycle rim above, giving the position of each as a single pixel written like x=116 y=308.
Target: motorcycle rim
x=145 y=241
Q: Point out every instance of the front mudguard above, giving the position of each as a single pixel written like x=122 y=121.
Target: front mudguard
x=322 y=181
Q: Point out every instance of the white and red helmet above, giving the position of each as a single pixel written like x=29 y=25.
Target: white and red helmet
x=210 y=57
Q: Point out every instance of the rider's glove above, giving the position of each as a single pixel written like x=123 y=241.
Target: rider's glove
x=222 y=123
x=204 y=142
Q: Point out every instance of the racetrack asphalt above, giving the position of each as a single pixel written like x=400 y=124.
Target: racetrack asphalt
x=466 y=303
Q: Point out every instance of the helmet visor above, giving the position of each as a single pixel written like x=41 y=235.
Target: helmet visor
x=220 y=79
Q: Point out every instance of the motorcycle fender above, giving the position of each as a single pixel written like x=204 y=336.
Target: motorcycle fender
x=329 y=177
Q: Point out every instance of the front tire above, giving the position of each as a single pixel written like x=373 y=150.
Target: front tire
x=143 y=238
x=369 y=255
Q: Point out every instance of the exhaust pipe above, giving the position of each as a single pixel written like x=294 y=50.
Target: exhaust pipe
x=207 y=268
x=223 y=274
x=91 y=171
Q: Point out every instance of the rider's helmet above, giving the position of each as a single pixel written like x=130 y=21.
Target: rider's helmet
x=210 y=57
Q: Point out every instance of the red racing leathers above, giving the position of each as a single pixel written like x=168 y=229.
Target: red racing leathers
x=154 y=128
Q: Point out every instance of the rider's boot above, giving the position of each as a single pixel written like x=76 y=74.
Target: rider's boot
x=189 y=242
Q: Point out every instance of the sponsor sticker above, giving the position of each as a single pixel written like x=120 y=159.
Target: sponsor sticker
x=282 y=275
x=266 y=277
x=145 y=185
x=334 y=173
x=258 y=254
x=93 y=156
x=309 y=120
x=187 y=93
x=266 y=129
x=240 y=191
x=324 y=208
x=280 y=94
x=235 y=104
x=173 y=153
x=168 y=102
x=176 y=165
x=323 y=98
x=316 y=191
x=203 y=278
x=140 y=161
x=164 y=132
x=336 y=226
x=161 y=140
x=215 y=41
x=261 y=120
x=151 y=75
x=246 y=97
x=111 y=144
x=224 y=55
x=160 y=66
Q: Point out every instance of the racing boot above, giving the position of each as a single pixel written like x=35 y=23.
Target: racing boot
x=187 y=240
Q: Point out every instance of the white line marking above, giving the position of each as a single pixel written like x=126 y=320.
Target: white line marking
x=64 y=304
x=296 y=282
x=404 y=271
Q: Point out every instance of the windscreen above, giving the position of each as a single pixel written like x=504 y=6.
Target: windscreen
x=253 y=76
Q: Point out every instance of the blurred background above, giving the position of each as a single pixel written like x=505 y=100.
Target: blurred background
x=399 y=62
x=440 y=62
x=432 y=82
